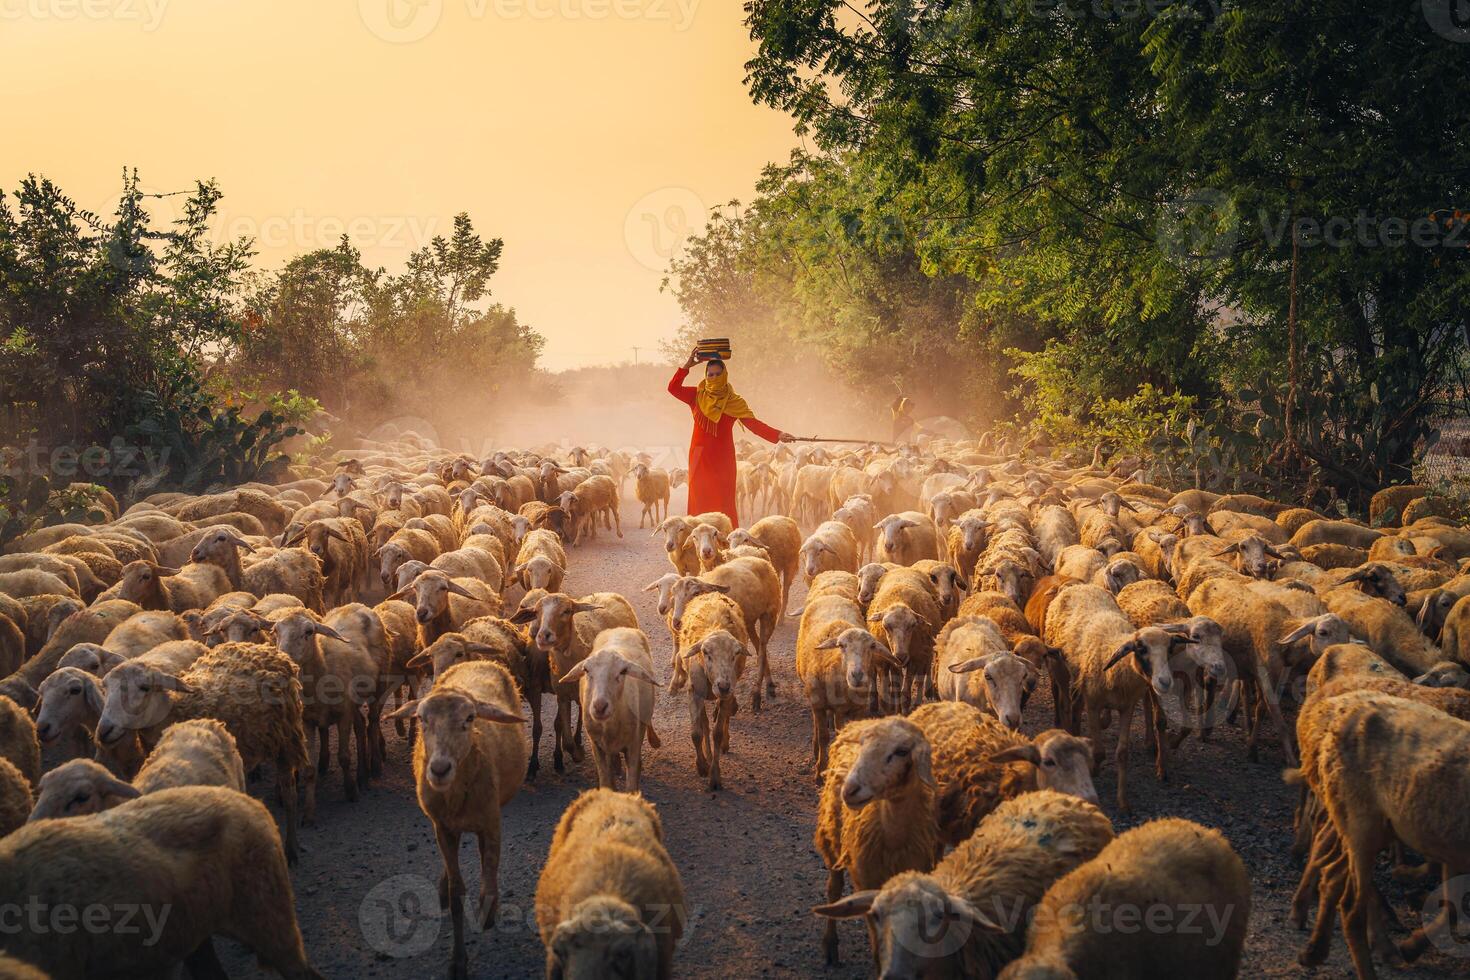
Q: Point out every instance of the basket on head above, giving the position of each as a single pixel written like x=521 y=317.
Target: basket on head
x=712 y=349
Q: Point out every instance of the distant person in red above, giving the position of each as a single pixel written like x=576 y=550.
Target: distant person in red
x=716 y=409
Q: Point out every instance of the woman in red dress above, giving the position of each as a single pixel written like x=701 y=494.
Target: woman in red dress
x=716 y=409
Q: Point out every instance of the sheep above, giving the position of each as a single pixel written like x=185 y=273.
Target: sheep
x=1322 y=532
x=443 y=604
x=343 y=663
x=594 y=497
x=904 y=616
x=407 y=544
x=974 y=664
x=90 y=625
x=1080 y=562
x=966 y=542
x=652 y=488
x=1454 y=637
x=1445 y=674
x=831 y=547
x=835 y=660
x=609 y=896
x=1152 y=603
x=997 y=573
x=564 y=632
x=1021 y=637
x=859 y=513
x=541 y=562
x=964 y=918
x=1263 y=637
x=834 y=582
x=869 y=577
x=615 y=687
x=782 y=540
x=1376 y=784
x=948 y=584
x=71 y=570
x=292 y=571
x=875 y=816
x=33 y=582
x=1252 y=555
x=251 y=688
x=1387 y=628
x=211 y=854
x=756 y=588
x=978 y=762
x=15 y=805
x=1094 y=635
x=907 y=537
x=468 y=763
x=1174 y=866
x=712 y=629
x=199 y=752
x=341 y=548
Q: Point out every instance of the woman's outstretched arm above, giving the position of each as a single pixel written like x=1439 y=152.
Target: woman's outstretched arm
x=766 y=432
x=677 y=387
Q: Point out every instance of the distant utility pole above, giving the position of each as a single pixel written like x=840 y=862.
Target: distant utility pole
x=635 y=355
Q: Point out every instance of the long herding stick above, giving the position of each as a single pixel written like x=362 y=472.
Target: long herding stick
x=859 y=442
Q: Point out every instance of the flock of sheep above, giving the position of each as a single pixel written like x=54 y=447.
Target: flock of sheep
x=168 y=653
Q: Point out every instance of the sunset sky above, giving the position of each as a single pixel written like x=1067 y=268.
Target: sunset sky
x=589 y=134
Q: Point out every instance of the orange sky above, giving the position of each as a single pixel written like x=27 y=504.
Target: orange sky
x=586 y=133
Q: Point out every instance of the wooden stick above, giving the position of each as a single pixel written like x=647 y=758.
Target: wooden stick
x=860 y=442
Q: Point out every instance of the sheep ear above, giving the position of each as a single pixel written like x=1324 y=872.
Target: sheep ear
x=401 y=593
x=523 y=616
x=851 y=907
x=1299 y=633
x=971 y=665
x=638 y=671
x=420 y=659
x=332 y=532
x=239 y=542
x=1120 y=653
x=165 y=570
x=1272 y=552
x=576 y=673
x=484 y=648
x=886 y=657
x=404 y=710
x=923 y=767
x=1358 y=575
x=92 y=694
x=460 y=590
x=1234 y=549
x=322 y=629
x=831 y=643
x=1176 y=629
x=291 y=541
x=693 y=651
x=582 y=607
x=958 y=908
x=490 y=712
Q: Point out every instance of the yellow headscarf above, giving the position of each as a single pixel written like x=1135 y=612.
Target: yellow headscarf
x=717 y=399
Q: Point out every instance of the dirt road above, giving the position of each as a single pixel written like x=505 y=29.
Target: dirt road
x=365 y=887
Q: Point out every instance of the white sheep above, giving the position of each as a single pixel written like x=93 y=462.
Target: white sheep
x=615 y=687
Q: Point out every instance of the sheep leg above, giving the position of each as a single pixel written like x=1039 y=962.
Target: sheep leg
x=488 y=839
x=1094 y=731
x=632 y=770
x=1324 y=850
x=451 y=899
x=1355 y=913
x=770 y=630
x=604 y=764
x=699 y=734
x=1273 y=705
x=818 y=734
x=344 y=755
x=617 y=520
x=204 y=962
x=1333 y=885
x=578 y=752
x=721 y=741
x=1161 y=744
x=829 y=932
x=534 y=766
x=1413 y=947
x=364 y=753
x=559 y=734
x=1125 y=733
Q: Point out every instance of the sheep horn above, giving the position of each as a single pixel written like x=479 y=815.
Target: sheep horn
x=1120 y=653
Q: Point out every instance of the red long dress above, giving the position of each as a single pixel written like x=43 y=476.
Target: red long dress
x=712 y=457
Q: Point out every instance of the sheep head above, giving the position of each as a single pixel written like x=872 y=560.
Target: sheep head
x=601 y=678
x=79 y=788
x=1378 y=580
x=868 y=578
x=1149 y=649
x=722 y=657
x=901 y=627
x=707 y=542
x=861 y=652
x=664 y=586
x=916 y=923
x=448 y=650
x=1007 y=679
x=683 y=591
x=134 y=696
x=893 y=754
x=68 y=697
x=1063 y=762
x=603 y=936
x=447 y=720
x=552 y=616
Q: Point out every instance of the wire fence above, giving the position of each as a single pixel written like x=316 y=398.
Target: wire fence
x=1447 y=464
